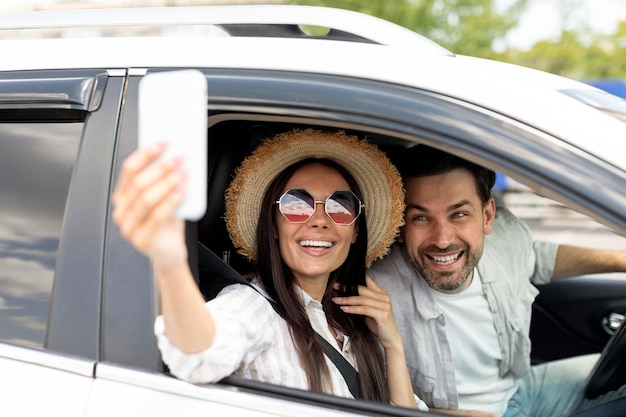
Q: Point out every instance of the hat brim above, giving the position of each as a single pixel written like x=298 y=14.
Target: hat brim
x=377 y=177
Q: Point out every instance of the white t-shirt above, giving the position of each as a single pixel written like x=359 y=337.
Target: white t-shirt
x=475 y=350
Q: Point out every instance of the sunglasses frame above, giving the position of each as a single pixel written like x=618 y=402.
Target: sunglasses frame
x=359 y=206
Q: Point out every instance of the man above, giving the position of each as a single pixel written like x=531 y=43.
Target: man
x=461 y=282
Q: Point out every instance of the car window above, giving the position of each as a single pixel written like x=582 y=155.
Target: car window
x=35 y=169
x=552 y=220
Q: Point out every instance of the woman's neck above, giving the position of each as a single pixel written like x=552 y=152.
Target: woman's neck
x=314 y=286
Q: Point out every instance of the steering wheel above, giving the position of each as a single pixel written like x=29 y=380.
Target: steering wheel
x=609 y=373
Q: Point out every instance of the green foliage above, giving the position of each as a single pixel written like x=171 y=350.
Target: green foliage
x=472 y=27
x=574 y=57
x=563 y=57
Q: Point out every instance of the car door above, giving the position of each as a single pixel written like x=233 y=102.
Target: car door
x=244 y=107
x=57 y=129
x=131 y=370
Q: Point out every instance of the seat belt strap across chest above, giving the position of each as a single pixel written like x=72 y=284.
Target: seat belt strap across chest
x=217 y=265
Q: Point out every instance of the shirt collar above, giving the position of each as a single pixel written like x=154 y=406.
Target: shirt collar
x=312 y=306
x=423 y=300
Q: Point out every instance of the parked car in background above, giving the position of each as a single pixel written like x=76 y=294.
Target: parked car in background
x=615 y=86
x=77 y=302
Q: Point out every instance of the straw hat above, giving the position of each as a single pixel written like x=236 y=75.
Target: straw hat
x=377 y=177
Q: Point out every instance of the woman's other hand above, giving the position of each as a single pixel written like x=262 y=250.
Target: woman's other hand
x=375 y=304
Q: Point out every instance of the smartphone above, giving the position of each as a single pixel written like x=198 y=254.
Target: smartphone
x=173 y=109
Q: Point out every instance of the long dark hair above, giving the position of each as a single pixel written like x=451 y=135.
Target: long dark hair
x=279 y=283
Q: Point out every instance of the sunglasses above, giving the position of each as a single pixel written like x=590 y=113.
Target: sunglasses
x=298 y=206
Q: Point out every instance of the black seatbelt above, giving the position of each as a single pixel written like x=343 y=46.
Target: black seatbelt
x=348 y=372
x=212 y=262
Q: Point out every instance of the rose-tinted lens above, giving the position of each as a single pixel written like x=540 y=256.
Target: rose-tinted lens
x=343 y=207
x=297 y=205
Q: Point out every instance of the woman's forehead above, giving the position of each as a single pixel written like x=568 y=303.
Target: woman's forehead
x=316 y=177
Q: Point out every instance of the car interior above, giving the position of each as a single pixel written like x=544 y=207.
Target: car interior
x=230 y=140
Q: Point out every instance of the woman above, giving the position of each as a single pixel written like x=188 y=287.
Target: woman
x=311 y=210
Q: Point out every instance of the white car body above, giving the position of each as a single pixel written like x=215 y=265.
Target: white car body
x=43 y=383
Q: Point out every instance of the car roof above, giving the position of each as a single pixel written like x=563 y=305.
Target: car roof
x=352 y=25
x=389 y=54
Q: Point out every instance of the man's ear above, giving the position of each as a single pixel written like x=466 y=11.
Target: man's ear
x=400 y=237
x=489 y=216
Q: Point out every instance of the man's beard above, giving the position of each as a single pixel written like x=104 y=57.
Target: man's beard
x=439 y=280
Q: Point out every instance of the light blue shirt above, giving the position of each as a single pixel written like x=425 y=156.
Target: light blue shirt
x=510 y=264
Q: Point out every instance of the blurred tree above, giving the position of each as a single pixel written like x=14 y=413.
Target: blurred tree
x=606 y=56
x=473 y=27
x=565 y=56
x=578 y=55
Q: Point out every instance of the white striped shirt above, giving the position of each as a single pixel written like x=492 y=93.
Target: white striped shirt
x=252 y=341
